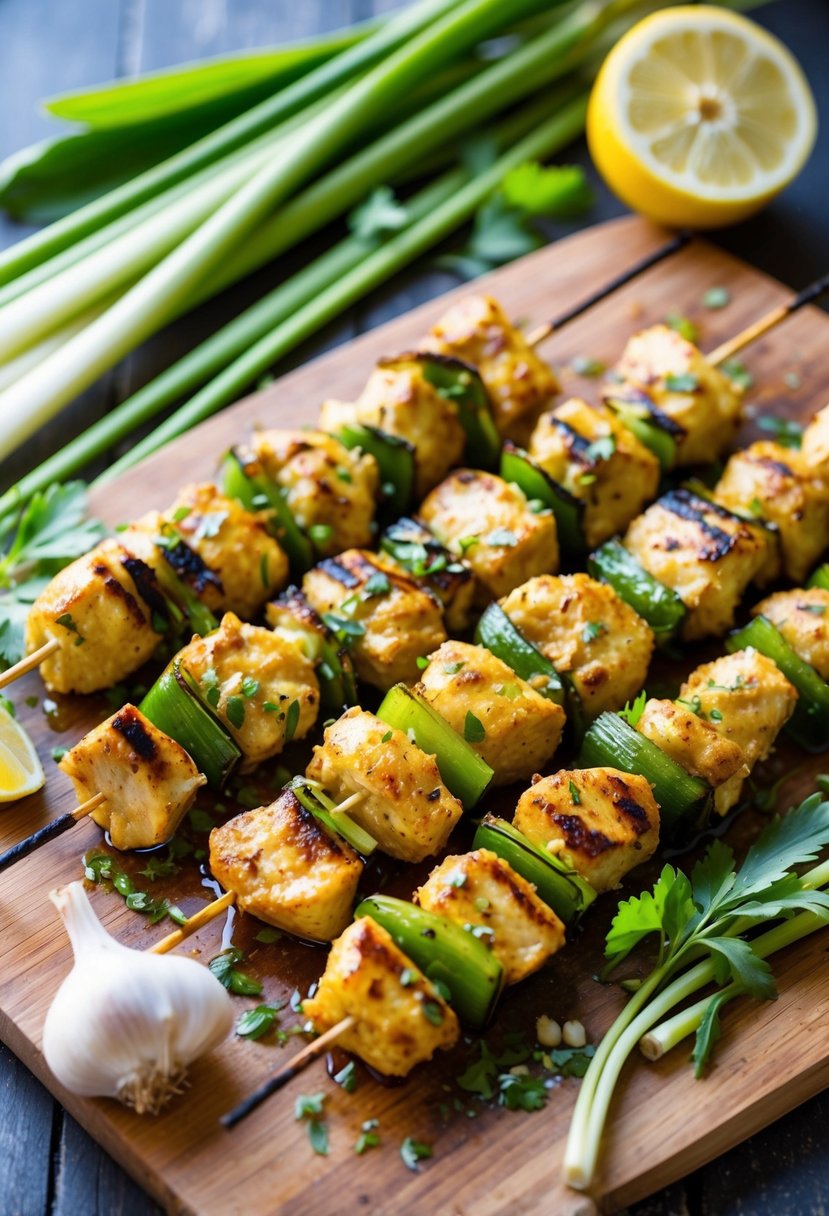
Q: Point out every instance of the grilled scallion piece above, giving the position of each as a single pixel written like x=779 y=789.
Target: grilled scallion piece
x=651 y=427
x=684 y=801
x=175 y=705
x=657 y=604
x=560 y=887
x=311 y=795
x=462 y=769
x=445 y=952
x=497 y=633
x=809 y=724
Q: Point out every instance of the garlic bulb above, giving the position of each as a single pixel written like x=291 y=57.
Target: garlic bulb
x=126 y=1024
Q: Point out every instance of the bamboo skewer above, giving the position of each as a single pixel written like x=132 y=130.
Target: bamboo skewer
x=29 y=662
x=194 y=923
x=56 y=828
x=726 y=350
x=542 y=332
x=300 y=1061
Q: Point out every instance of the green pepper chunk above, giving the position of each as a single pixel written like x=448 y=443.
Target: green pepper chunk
x=684 y=801
x=462 y=770
x=292 y=613
x=497 y=633
x=445 y=952
x=463 y=386
x=809 y=724
x=395 y=458
x=200 y=618
x=244 y=480
x=561 y=888
x=650 y=426
x=175 y=705
x=657 y=604
x=520 y=469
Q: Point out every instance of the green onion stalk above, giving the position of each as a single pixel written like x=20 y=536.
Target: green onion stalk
x=261 y=118
x=455 y=199
x=648 y=1007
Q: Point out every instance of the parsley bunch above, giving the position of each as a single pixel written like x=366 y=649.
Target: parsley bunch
x=703 y=920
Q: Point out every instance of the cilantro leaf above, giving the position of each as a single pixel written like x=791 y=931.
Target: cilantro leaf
x=787 y=432
x=413 y=1151
x=553 y=190
x=708 y=1031
x=522 y=1091
x=744 y=966
x=377 y=217
x=637 y=917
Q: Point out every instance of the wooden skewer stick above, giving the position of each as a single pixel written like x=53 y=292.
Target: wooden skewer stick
x=652 y=259
x=726 y=350
x=202 y=917
x=56 y=828
x=30 y=662
x=300 y=1061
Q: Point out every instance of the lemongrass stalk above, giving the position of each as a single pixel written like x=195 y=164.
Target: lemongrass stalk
x=459 y=205
x=287 y=102
x=207 y=359
x=155 y=298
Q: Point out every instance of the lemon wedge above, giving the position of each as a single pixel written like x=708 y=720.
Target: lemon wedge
x=20 y=769
x=699 y=116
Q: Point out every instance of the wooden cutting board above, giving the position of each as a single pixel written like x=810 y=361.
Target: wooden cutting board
x=487 y=1161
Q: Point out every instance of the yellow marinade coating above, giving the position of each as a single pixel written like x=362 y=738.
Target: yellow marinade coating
x=803 y=619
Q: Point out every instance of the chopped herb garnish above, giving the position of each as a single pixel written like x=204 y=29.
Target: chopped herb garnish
x=209 y=525
x=347 y=1077
x=583 y=365
x=593 y=630
x=250 y=687
x=386 y=737
x=422 y=662
x=320 y=534
x=715 y=715
x=473 y=728
x=235 y=712
x=466 y=542
x=344 y=474
x=510 y=691
x=457 y=879
x=67 y=622
x=102 y=867
x=575 y=796
x=684 y=382
x=223 y=966
x=413 y=1151
x=257 y=1022
x=737 y=373
x=521 y=1092
x=716 y=297
x=268 y=935
x=755 y=507
x=159 y=867
x=310 y=1107
x=682 y=325
x=378 y=584
x=452 y=669
x=345 y=630
x=633 y=711
x=180 y=513
x=365 y=1141
x=433 y=1012
x=501 y=538
x=600 y=449
x=58 y=753
x=407 y=977
x=787 y=432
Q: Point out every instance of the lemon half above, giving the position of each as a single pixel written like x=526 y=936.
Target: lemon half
x=698 y=117
x=20 y=769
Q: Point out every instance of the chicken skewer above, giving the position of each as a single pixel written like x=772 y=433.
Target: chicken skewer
x=56 y=641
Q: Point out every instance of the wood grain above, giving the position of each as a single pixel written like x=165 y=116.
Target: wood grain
x=665 y=1124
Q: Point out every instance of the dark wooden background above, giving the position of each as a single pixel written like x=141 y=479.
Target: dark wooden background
x=47 y=1163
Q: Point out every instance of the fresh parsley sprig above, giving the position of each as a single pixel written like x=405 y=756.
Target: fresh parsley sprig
x=51 y=531
x=699 y=926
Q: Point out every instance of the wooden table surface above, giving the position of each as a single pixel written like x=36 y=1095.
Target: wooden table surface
x=47 y=1163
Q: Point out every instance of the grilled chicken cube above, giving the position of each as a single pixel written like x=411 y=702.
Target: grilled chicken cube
x=588 y=633
x=92 y=608
x=589 y=451
x=691 y=742
x=680 y=382
x=520 y=384
x=385 y=618
x=600 y=821
x=480 y=889
x=701 y=551
x=746 y=699
x=523 y=729
x=234 y=544
x=331 y=490
x=400 y=1017
x=260 y=683
x=814 y=449
x=400 y=400
x=148 y=780
x=489 y=522
x=803 y=619
x=433 y=568
x=763 y=480
x=405 y=806
x=286 y=870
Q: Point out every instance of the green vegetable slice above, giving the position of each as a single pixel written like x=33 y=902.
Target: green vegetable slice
x=809 y=724
x=684 y=801
x=497 y=633
x=244 y=480
x=657 y=604
x=313 y=798
x=174 y=704
x=395 y=458
x=565 y=891
x=334 y=668
x=538 y=486
x=462 y=769
x=463 y=386
x=650 y=426
x=445 y=952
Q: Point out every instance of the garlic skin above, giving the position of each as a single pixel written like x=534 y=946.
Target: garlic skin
x=126 y=1024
